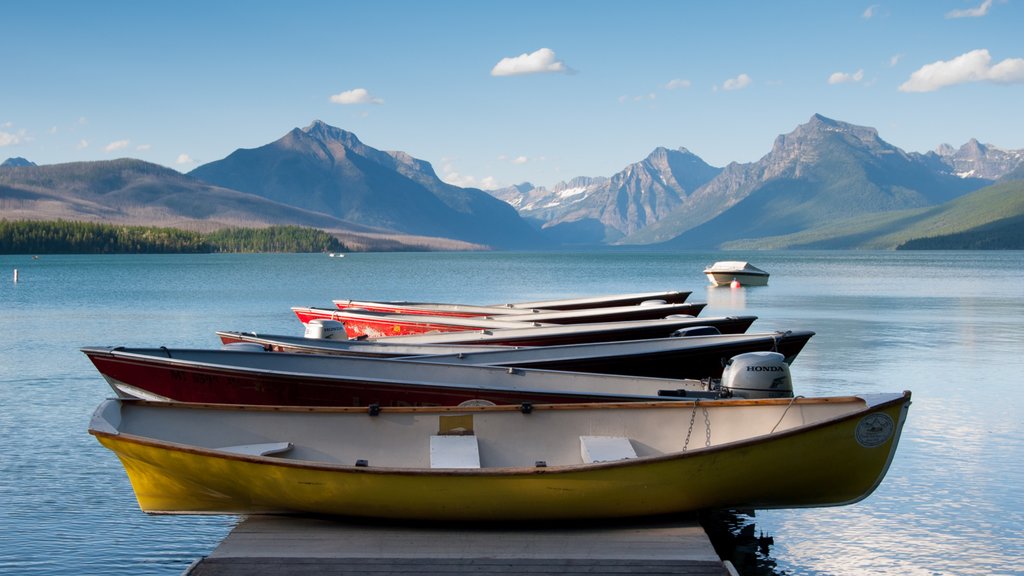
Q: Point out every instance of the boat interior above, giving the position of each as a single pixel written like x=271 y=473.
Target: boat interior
x=488 y=437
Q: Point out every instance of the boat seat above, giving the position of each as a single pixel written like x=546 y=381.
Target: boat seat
x=454 y=451
x=605 y=448
x=264 y=449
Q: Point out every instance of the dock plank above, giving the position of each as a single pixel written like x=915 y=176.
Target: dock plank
x=288 y=545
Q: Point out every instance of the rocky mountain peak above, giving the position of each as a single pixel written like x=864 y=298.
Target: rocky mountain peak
x=326 y=134
x=805 y=145
x=819 y=127
x=977 y=160
x=973 y=149
x=15 y=162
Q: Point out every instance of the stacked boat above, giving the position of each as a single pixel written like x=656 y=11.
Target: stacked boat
x=602 y=407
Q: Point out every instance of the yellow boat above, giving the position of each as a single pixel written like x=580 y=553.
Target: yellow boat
x=504 y=462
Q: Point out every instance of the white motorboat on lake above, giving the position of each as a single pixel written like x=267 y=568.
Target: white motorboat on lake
x=725 y=272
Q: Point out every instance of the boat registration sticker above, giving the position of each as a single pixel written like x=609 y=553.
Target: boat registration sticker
x=874 y=430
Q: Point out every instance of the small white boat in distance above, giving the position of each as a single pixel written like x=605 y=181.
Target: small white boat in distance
x=723 y=273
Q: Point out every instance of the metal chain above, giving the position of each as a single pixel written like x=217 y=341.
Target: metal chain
x=707 y=426
x=693 y=415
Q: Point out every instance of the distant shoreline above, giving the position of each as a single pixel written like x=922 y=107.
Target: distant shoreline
x=68 y=237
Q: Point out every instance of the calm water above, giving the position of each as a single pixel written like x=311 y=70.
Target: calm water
x=949 y=326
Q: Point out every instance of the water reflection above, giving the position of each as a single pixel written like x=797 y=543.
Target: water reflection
x=950 y=504
x=736 y=539
x=723 y=300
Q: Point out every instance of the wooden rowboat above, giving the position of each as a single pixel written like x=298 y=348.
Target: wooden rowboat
x=378 y=348
x=516 y=308
x=262 y=378
x=504 y=463
x=670 y=296
x=677 y=357
x=386 y=324
x=519 y=335
x=436 y=308
x=504 y=311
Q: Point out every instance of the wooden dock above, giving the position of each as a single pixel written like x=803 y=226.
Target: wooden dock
x=308 y=546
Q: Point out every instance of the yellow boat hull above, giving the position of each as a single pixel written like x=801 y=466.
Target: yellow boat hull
x=824 y=465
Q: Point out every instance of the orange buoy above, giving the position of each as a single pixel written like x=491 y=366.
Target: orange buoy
x=735 y=283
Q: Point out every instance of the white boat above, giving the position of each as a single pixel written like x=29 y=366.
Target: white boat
x=724 y=273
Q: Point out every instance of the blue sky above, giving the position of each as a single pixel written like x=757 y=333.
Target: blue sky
x=498 y=93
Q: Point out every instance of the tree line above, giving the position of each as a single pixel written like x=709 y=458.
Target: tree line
x=69 y=237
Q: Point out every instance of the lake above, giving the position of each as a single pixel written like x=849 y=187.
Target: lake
x=947 y=325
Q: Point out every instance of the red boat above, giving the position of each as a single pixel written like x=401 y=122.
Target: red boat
x=281 y=379
x=381 y=324
x=578 y=333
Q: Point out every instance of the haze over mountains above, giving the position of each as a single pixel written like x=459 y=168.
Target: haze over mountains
x=128 y=191
x=822 y=173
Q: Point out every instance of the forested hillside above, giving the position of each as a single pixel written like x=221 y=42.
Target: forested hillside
x=66 y=237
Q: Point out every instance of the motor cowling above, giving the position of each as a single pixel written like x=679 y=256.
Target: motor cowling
x=696 y=331
x=758 y=375
x=321 y=329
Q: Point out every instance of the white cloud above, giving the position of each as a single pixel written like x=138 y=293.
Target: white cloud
x=846 y=77
x=678 y=83
x=870 y=11
x=355 y=96
x=895 y=59
x=737 y=83
x=543 y=60
x=53 y=129
x=184 y=159
x=520 y=160
x=143 y=147
x=117 y=145
x=8 y=139
x=453 y=177
x=974 y=66
x=82 y=144
x=971 y=12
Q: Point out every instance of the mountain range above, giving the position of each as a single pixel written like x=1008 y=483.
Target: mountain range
x=128 y=191
x=328 y=170
x=820 y=172
x=606 y=210
x=823 y=172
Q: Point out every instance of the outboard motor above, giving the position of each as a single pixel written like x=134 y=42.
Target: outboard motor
x=321 y=329
x=696 y=331
x=758 y=375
